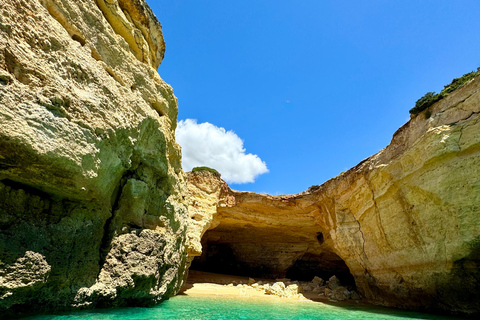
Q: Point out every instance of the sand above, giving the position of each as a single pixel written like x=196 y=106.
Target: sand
x=212 y=284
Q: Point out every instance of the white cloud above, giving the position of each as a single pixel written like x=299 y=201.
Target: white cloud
x=204 y=144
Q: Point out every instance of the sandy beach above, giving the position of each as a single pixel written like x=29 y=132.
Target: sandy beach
x=211 y=284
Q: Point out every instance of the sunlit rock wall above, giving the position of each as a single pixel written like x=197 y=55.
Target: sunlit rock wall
x=406 y=219
x=91 y=185
x=403 y=222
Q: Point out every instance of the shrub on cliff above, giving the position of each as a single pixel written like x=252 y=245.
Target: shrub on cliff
x=213 y=171
x=430 y=97
x=424 y=102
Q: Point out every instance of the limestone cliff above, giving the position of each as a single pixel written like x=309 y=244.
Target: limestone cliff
x=204 y=192
x=91 y=185
x=403 y=223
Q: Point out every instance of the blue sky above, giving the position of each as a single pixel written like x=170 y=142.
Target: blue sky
x=311 y=87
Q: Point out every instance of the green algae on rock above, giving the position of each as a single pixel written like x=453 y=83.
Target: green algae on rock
x=93 y=202
x=91 y=185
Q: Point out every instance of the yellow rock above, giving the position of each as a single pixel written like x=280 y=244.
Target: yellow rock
x=91 y=184
x=403 y=222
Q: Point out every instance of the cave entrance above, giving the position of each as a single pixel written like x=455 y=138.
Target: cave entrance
x=257 y=260
x=219 y=258
x=324 y=265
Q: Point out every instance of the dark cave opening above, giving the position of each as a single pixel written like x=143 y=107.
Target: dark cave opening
x=320 y=238
x=221 y=258
x=324 y=265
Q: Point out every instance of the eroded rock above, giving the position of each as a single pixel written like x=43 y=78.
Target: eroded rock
x=92 y=193
x=338 y=294
x=333 y=283
x=402 y=224
x=318 y=281
x=26 y=275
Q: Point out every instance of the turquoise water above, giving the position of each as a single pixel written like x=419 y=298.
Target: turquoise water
x=213 y=308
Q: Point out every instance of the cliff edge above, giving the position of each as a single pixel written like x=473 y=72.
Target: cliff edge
x=91 y=185
x=402 y=226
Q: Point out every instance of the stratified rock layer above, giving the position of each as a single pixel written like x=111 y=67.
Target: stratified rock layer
x=91 y=186
x=403 y=222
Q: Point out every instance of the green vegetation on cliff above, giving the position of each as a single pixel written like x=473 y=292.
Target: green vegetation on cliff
x=431 y=97
x=211 y=170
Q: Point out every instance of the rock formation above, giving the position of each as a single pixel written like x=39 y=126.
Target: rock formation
x=403 y=223
x=93 y=202
x=205 y=190
x=92 y=206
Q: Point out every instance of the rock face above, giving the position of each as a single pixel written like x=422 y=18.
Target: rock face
x=93 y=205
x=257 y=235
x=403 y=223
x=91 y=185
x=205 y=191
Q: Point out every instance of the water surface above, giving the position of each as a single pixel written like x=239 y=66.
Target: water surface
x=216 y=308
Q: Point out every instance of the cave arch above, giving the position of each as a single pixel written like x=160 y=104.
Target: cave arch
x=270 y=253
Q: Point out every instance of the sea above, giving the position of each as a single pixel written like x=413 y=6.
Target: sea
x=222 y=308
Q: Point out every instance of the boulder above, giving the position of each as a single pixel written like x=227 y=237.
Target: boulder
x=333 y=282
x=338 y=294
x=318 y=281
